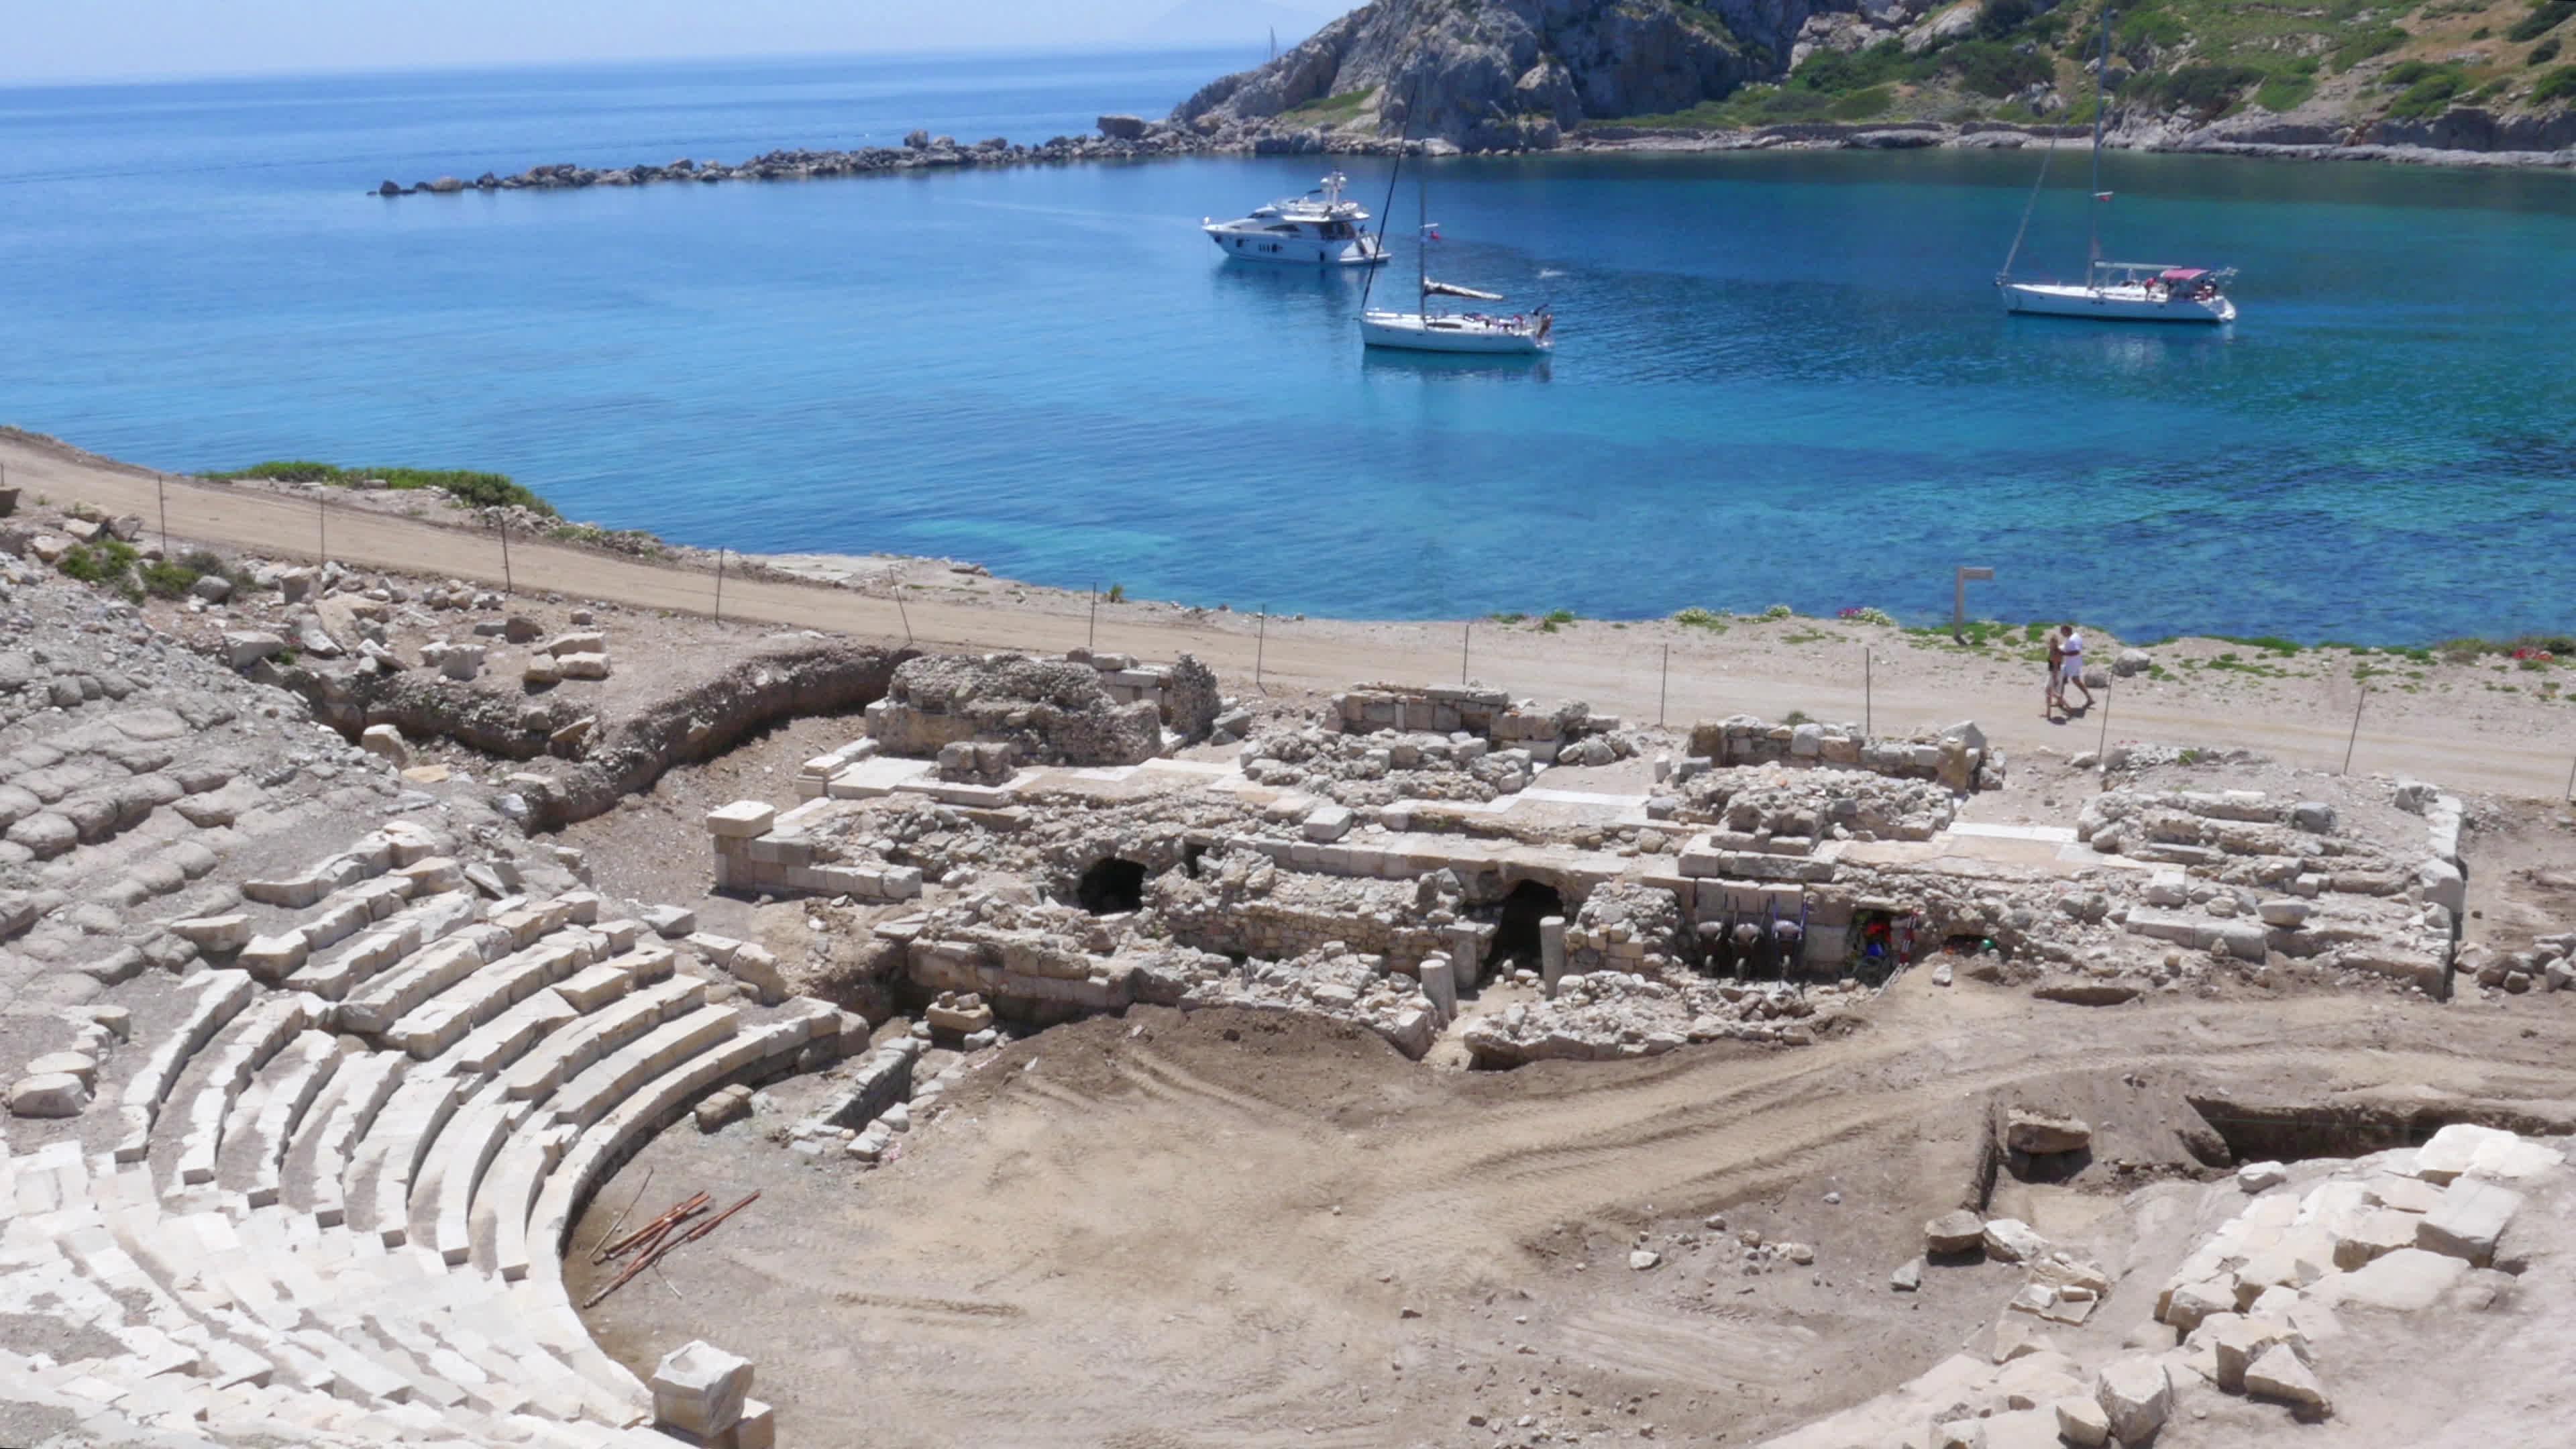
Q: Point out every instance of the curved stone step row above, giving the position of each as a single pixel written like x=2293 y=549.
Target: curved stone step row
x=522 y=1059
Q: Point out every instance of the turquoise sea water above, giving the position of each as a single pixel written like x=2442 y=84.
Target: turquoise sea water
x=1780 y=378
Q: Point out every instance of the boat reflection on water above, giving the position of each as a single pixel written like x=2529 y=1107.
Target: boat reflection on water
x=1449 y=366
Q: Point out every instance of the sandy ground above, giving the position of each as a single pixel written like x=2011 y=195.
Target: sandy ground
x=1236 y=1229
x=2488 y=725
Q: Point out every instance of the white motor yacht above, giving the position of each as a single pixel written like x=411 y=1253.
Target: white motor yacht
x=1316 y=229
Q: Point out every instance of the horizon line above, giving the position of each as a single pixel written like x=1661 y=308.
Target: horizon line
x=945 y=53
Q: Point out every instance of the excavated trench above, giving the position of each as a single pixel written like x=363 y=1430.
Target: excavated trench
x=2258 y=1131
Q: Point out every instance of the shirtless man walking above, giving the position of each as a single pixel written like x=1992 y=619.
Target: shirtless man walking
x=2070 y=665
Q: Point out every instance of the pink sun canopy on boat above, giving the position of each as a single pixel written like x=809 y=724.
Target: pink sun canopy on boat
x=2182 y=274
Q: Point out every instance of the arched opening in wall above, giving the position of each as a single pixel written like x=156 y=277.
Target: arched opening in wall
x=1516 y=930
x=1111 y=886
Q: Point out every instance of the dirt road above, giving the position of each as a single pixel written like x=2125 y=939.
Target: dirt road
x=2474 y=727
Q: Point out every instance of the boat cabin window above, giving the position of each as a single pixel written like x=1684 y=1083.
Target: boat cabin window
x=1337 y=230
x=1288 y=227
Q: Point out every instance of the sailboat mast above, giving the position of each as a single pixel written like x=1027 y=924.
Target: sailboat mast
x=2101 y=103
x=1422 y=242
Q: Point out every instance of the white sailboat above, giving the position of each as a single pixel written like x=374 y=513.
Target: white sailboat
x=1423 y=330
x=2114 y=291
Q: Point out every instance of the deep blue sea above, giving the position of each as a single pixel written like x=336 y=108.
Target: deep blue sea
x=1779 y=378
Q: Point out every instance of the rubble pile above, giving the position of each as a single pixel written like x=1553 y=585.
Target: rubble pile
x=1056 y=711
x=1330 y=981
x=1958 y=756
x=1570 y=733
x=1379 y=769
x=1773 y=807
x=1241 y=904
x=1608 y=1015
x=1630 y=927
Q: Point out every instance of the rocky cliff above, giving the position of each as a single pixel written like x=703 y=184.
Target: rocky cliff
x=2451 y=76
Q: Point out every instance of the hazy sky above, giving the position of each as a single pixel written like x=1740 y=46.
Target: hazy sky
x=76 y=40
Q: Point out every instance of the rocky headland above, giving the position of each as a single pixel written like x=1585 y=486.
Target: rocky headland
x=2461 y=82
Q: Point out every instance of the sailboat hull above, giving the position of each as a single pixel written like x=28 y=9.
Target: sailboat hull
x=1453 y=332
x=2114 y=303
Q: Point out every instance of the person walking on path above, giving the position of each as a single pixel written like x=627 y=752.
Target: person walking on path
x=2053 y=698
x=2070 y=666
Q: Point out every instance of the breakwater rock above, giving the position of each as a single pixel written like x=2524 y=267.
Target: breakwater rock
x=1122 y=138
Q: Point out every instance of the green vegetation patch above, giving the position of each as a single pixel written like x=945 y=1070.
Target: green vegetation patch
x=2558 y=85
x=2545 y=16
x=1331 y=110
x=480 y=490
x=1695 y=617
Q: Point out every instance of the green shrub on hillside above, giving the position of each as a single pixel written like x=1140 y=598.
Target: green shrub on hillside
x=480 y=490
x=2543 y=53
x=2364 y=46
x=2201 y=87
x=2545 y=16
x=1991 y=68
x=107 y=563
x=2429 y=90
x=2558 y=85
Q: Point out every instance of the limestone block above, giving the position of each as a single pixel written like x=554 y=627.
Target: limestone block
x=48 y=1094
x=2261 y=1177
x=2012 y=1241
x=1328 y=823
x=2188 y=1303
x=757 y=1428
x=2443 y=885
x=385 y=743
x=270 y=957
x=246 y=647
x=2372 y=1235
x=216 y=933
x=2279 y=1375
x=582 y=666
x=2032 y=1131
x=742 y=820
x=2081 y=1421
x=2136 y=1395
x=1954 y=1232
x=2454 y=1150
x=542 y=670
x=700 y=1389
x=2239 y=1341
x=2403 y=1281
x=725 y=1104
x=2473 y=1215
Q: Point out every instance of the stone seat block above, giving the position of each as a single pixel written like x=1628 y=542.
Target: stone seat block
x=568 y=1052
x=398 y=936
x=366 y=1084
x=464 y=1150
x=221 y=996
x=310 y=1061
x=394 y=1148
x=593 y=987
x=509 y=1193
x=260 y=1035
x=437 y=967
x=600 y=1087
x=436 y=1026
x=505 y=1038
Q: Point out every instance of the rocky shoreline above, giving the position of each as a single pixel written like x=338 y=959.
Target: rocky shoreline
x=1132 y=138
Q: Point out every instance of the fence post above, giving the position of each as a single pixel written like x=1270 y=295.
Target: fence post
x=1465 y=638
x=322 y=510
x=1091 y=640
x=161 y=488
x=906 y=613
x=1664 y=688
x=2102 y=746
x=1868 y=694
x=720 y=563
x=1260 y=644
x=509 y=586
x=2356 y=730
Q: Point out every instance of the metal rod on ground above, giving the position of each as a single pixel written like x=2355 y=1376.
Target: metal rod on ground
x=720 y=562
x=2356 y=730
x=1260 y=644
x=620 y=1220
x=1664 y=689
